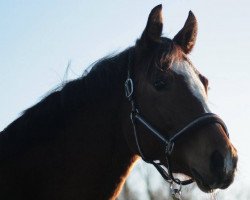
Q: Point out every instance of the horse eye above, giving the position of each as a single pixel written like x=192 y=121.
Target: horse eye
x=160 y=84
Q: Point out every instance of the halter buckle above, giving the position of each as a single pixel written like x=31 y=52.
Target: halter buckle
x=129 y=87
x=169 y=147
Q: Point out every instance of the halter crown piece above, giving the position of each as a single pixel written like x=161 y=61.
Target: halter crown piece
x=136 y=117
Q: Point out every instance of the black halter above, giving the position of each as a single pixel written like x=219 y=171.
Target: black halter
x=136 y=117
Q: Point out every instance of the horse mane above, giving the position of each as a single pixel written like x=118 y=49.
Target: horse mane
x=46 y=119
x=35 y=125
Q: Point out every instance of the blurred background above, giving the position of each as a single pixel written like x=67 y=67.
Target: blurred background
x=39 y=39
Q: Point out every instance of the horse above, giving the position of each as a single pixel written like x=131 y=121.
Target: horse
x=81 y=141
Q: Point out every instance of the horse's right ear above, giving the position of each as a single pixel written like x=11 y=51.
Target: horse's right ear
x=153 y=30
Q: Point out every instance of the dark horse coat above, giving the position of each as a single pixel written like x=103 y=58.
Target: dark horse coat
x=68 y=145
x=77 y=143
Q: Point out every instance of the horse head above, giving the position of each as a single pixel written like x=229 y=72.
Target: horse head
x=170 y=93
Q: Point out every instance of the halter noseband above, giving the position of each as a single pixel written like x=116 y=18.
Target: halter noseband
x=136 y=117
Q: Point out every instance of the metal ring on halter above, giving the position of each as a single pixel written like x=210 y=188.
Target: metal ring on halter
x=129 y=87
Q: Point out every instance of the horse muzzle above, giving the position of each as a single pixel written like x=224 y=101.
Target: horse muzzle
x=222 y=171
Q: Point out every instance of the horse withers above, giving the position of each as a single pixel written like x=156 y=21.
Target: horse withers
x=81 y=141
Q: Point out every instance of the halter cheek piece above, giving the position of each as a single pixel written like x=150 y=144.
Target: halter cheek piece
x=137 y=118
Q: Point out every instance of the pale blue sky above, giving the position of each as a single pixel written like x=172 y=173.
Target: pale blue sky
x=37 y=39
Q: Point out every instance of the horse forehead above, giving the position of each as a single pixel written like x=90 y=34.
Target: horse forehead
x=186 y=70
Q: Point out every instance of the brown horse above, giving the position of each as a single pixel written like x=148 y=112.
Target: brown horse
x=80 y=143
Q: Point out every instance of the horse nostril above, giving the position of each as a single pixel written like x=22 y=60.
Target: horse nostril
x=217 y=163
x=222 y=169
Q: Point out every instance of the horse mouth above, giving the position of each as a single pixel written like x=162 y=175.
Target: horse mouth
x=202 y=184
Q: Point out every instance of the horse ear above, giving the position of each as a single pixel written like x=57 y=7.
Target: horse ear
x=153 y=30
x=186 y=37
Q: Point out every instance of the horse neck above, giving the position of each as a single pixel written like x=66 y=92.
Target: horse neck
x=101 y=111
x=88 y=108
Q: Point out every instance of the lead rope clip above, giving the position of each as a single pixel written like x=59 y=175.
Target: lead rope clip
x=176 y=190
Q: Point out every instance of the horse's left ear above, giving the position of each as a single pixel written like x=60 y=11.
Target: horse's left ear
x=187 y=35
x=152 y=32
